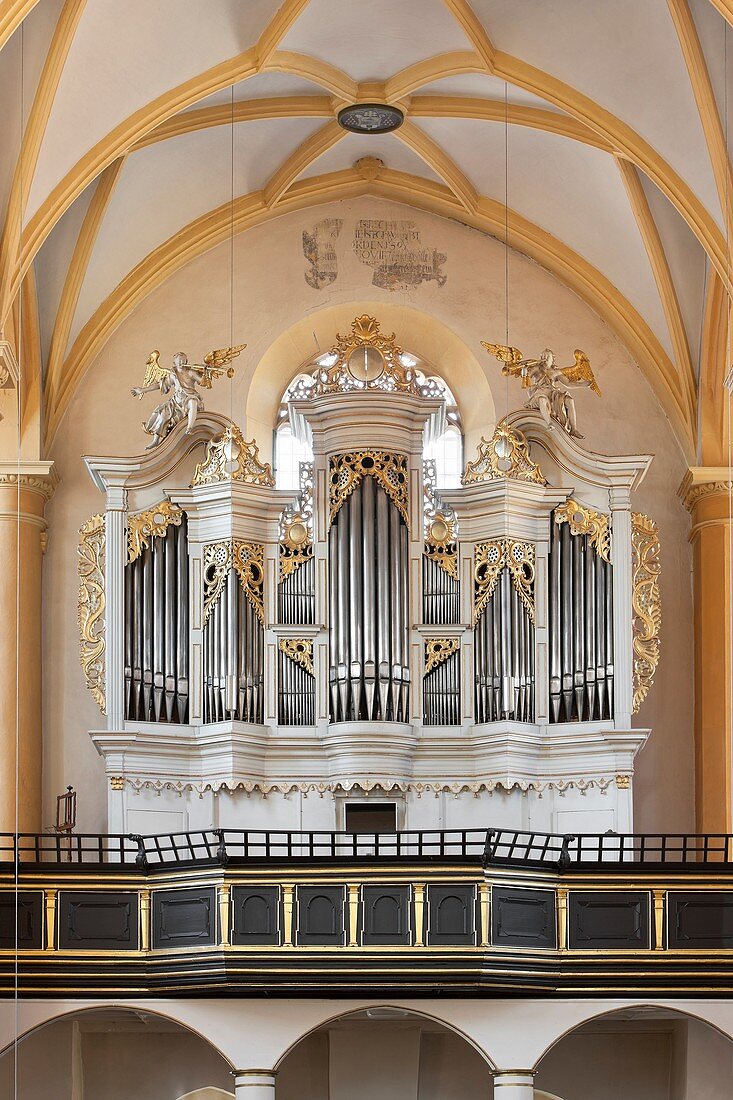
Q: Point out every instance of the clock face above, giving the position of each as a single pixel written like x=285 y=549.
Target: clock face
x=366 y=364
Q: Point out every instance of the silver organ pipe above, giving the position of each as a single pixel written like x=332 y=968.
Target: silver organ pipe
x=442 y=692
x=581 y=628
x=296 y=594
x=504 y=633
x=156 y=629
x=369 y=600
x=296 y=691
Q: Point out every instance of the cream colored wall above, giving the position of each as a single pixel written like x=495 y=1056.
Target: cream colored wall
x=191 y=312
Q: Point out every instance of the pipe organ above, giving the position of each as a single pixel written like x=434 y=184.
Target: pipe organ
x=369 y=630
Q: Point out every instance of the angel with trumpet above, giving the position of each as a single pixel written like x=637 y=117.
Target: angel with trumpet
x=549 y=386
x=178 y=386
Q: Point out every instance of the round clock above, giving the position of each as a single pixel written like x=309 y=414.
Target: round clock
x=366 y=364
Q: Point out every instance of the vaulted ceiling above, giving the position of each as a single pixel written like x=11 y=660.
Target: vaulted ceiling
x=601 y=123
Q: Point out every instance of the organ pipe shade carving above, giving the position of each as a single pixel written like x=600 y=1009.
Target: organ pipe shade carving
x=233 y=655
x=441 y=682
x=248 y=561
x=156 y=625
x=438 y=650
x=586 y=521
x=91 y=607
x=505 y=455
x=296 y=591
x=646 y=603
x=490 y=559
x=368 y=567
x=142 y=527
x=390 y=471
x=580 y=583
x=229 y=457
x=299 y=650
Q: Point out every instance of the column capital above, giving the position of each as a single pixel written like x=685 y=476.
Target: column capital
x=34 y=477
x=254 y=1084
x=702 y=482
x=513 y=1084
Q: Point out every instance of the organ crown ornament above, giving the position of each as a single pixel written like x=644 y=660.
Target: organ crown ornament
x=549 y=386
x=505 y=455
x=229 y=457
x=177 y=384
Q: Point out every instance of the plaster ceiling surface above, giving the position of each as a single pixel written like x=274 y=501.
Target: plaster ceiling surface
x=616 y=137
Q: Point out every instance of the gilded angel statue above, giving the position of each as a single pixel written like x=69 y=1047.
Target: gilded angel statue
x=549 y=386
x=178 y=386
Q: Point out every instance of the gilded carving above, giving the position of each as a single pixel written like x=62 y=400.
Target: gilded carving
x=586 y=521
x=142 y=527
x=646 y=604
x=229 y=457
x=438 y=650
x=388 y=470
x=505 y=455
x=440 y=525
x=496 y=555
x=247 y=560
x=91 y=607
x=299 y=650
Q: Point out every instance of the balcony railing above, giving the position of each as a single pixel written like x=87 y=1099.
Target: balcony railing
x=488 y=846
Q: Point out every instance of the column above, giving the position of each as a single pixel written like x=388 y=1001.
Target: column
x=254 y=1084
x=705 y=492
x=514 y=1084
x=24 y=492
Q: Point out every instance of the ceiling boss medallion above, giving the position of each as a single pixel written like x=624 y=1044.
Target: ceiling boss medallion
x=370 y=118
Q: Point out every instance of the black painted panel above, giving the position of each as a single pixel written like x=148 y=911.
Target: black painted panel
x=451 y=915
x=608 y=920
x=99 y=920
x=385 y=915
x=29 y=919
x=523 y=918
x=184 y=918
x=700 y=920
x=256 y=915
x=320 y=915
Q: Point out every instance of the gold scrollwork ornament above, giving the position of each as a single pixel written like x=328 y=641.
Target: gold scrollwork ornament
x=491 y=558
x=586 y=521
x=299 y=650
x=229 y=457
x=388 y=470
x=646 y=604
x=143 y=527
x=505 y=455
x=91 y=607
x=440 y=543
x=438 y=650
x=247 y=559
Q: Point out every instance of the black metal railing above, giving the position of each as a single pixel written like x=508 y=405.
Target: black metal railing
x=488 y=846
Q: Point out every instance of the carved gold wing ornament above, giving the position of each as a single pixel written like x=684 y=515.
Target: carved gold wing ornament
x=247 y=559
x=586 y=521
x=505 y=455
x=215 y=362
x=438 y=650
x=143 y=527
x=229 y=457
x=646 y=604
x=388 y=470
x=299 y=650
x=91 y=607
x=490 y=559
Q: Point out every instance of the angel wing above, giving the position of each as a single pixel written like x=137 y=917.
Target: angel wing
x=220 y=358
x=582 y=371
x=505 y=355
x=154 y=373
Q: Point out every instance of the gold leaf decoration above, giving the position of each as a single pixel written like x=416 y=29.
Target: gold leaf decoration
x=142 y=527
x=438 y=650
x=229 y=457
x=646 y=604
x=504 y=456
x=247 y=559
x=388 y=470
x=586 y=521
x=496 y=555
x=440 y=543
x=299 y=650
x=91 y=607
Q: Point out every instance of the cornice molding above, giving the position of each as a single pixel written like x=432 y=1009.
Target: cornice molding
x=36 y=477
x=704 y=481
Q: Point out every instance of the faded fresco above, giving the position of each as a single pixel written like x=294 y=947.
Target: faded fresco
x=319 y=249
x=392 y=249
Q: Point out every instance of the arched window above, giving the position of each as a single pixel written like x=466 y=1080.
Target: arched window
x=447 y=453
x=289 y=453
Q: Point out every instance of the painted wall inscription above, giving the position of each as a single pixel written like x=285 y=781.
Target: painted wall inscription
x=319 y=249
x=396 y=254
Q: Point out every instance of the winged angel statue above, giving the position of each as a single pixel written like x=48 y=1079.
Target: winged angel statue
x=549 y=386
x=178 y=386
